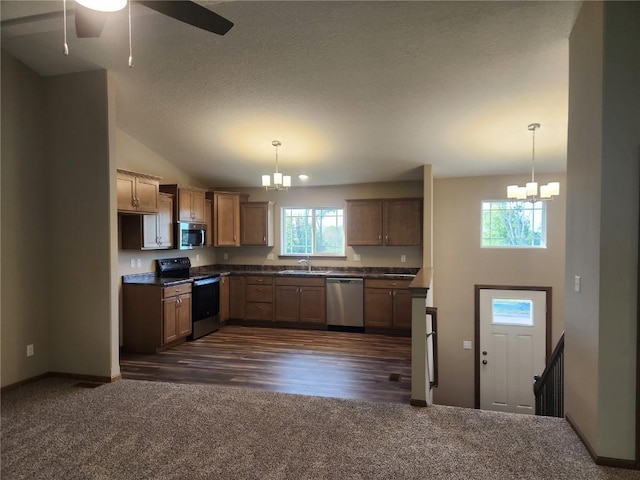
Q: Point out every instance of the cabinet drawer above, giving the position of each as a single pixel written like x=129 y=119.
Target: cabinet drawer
x=259 y=293
x=382 y=283
x=259 y=280
x=259 y=311
x=174 y=290
x=300 y=282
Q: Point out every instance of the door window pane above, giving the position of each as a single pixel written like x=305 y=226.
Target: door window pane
x=512 y=311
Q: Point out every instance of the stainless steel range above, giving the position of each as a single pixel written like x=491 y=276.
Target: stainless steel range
x=205 y=312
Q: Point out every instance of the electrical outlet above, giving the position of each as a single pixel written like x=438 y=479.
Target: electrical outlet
x=226 y=256
x=577 y=283
x=133 y=263
x=270 y=256
x=197 y=257
x=403 y=258
x=139 y=263
x=356 y=257
x=466 y=344
x=30 y=350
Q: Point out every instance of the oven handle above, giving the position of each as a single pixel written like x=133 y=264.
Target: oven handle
x=206 y=281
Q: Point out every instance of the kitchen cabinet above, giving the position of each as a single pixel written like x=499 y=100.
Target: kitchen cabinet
x=137 y=192
x=387 y=304
x=384 y=222
x=226 y=219
x=190 y=203
x=149 y=232
x=256 y=223
x=236 y=297
x=259 y=298
x=208 y=216
x=300 y=300
x=155 y=317
x=224 y=299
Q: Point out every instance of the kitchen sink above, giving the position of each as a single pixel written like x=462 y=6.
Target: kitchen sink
x=305 y=272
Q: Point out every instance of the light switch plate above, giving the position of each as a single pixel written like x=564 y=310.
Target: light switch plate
x=403 y=258
x=577 y=283
x=269 y=256
x=133 y=263
x=466 y=344
x=356 y=257
x=225 y=256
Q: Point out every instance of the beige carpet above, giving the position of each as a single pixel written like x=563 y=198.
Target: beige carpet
x=130 y=429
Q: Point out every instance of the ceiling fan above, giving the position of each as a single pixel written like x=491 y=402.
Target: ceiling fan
x=91 y=15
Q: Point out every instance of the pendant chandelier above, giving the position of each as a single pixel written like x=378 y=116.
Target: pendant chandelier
x=280 y=182
x=530 y=193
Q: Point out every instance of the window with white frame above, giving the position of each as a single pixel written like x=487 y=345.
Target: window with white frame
x=312 y=231
x=509 y=224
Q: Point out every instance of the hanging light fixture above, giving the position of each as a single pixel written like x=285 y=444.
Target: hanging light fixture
x=529 y=192
x=280 y=182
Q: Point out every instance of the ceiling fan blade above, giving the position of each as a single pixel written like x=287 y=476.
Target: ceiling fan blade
x=89 y=23
x=191 y=13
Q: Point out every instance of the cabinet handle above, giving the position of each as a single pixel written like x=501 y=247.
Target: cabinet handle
x=264 y=239
x=380 y=238
x=386 y=238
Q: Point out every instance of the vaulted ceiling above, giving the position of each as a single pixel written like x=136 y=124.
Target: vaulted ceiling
x=356 y=91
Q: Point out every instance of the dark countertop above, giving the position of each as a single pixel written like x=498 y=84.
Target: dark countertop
x=220 y=270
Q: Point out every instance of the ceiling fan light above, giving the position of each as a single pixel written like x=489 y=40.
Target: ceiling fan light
x=554 y=188
x=266 y=180
x=103 y=5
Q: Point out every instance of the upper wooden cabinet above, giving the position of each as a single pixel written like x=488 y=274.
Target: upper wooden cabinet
x=189 y=203
x=226 y=218
x=137 y=192
x=392 y=222
x=149 y=232
x=256 y=223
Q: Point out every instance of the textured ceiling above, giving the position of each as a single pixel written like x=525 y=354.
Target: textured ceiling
x=356 y=91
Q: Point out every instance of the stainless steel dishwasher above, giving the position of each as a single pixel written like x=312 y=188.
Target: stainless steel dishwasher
x=345 y=298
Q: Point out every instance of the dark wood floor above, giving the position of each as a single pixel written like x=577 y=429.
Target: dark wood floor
x=309 y=362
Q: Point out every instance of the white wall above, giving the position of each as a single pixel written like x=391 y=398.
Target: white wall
x=24 y=199
x=602 y=226
x=459 y=263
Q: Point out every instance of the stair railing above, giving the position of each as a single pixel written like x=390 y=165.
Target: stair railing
x=548 y=388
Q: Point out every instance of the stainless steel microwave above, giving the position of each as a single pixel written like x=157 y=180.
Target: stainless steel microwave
x=192 y=235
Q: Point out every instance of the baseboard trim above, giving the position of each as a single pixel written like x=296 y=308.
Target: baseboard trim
x=604 y=461
x=75 y=376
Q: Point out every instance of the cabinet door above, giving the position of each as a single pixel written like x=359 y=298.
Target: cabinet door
x=378 y=307
x=312 y=305
x=147 y=190
x=236 y=297
x=150 y=238
x=169 y=319
x=197 y=206
x=402 y=309
x=208 y=221
x=184 y=205
x=126 y=192
x=364 y=222
x=256 y=223
x=403 y=222
x=165 y=221
x=183 y=315
x=225 y=291
x=287 y=303
x=226 y=219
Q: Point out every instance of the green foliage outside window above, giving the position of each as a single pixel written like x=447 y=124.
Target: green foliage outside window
x=312 y=231
x=513 y=224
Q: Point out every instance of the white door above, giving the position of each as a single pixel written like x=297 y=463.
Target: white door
x=512 y=348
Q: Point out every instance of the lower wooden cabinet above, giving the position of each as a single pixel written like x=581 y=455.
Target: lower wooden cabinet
x=155 y=316
x=300 y=300
x=387 y=304
x=259 y=298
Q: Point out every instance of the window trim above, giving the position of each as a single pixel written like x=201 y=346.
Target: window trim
x=543 y=246
x=283 y=255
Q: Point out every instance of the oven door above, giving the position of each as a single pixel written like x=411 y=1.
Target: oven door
x=192 y=235
x=205 y=309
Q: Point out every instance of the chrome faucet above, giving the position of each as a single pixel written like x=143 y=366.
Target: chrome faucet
x=305 y=260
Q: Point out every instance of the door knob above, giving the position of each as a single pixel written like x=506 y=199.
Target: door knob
x=484 y=362
x=484 y=353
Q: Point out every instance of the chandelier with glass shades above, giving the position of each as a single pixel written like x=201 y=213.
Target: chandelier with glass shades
x=280 y=182
x=530 y=193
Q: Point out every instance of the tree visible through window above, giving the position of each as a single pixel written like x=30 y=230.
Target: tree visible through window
x=514 y=224
x=312 y=231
